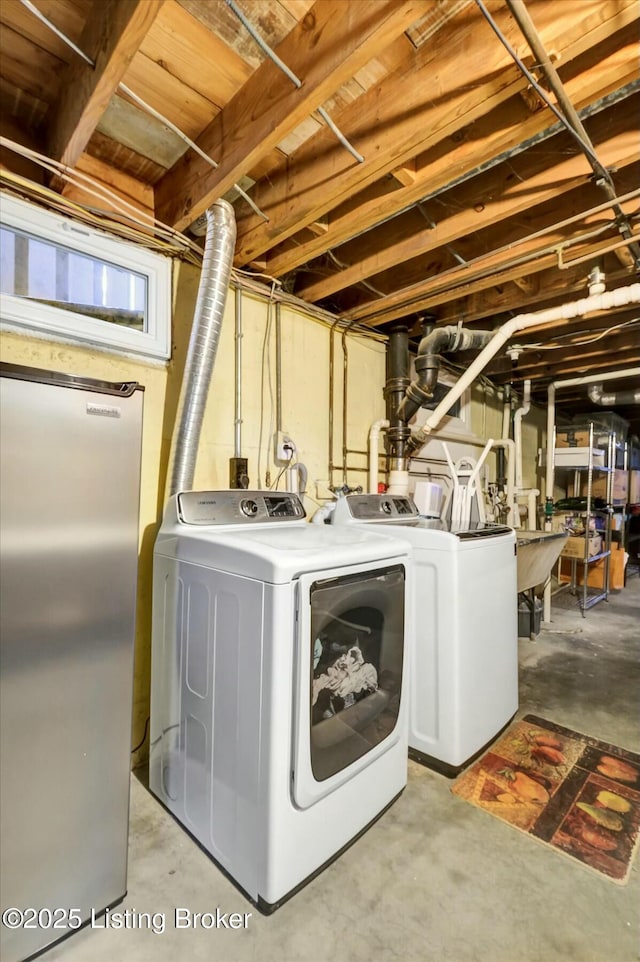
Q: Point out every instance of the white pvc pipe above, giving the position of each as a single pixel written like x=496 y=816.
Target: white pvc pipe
x=517 y=431
x=374 y=437
x=598 y=302
x=398 y=482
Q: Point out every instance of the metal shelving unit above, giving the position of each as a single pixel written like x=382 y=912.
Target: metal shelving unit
x=588 y=596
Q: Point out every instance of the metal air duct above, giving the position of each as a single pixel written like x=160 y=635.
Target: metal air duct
x=596 y=395
x=203 y=344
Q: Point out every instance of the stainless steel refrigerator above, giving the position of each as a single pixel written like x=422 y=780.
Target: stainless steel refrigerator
x=69 y=508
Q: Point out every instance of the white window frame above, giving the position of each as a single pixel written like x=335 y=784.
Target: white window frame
x=31 y=315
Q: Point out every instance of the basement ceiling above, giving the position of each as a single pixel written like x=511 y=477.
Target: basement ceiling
x=405 y=167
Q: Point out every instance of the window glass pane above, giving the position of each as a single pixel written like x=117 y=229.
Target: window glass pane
x=66 y=279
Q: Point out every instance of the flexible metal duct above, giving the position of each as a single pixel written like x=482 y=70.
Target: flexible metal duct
x=205 y=333
x=596 y=395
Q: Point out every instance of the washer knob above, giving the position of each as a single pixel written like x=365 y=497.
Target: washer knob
x=386 y=506
x=249 y=507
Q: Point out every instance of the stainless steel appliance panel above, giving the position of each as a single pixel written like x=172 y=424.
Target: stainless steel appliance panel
x=69 y=503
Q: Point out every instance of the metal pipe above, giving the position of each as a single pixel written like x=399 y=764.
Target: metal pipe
x=551 y=436
x=396 y=383
x=203 y=344
x=331 y=389
x=570 y=115
x=597 y=395
x=278 y=366
x=345 y=377
x=237 y=415
x=272 y=55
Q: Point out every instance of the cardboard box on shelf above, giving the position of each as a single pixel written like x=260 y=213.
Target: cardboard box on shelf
x=634 y=487
x=574 y=548
x=595 y=574
x=599 y=486
x=568 y=438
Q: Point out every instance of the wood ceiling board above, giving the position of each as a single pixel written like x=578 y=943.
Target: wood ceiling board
x=438 y=97
x=28 y=67
x=128 y=188
x=272 y=21
x=125 y=123
x=18 y=18
x=296 y=8
x=123 y=158
x=191 y=53
x=509 y=124
x=179 y=103
x=29 y=111
x=112 y=37
x=333 y=40
x=527 y=181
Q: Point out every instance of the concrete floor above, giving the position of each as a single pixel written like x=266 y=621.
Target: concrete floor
x=435 y=878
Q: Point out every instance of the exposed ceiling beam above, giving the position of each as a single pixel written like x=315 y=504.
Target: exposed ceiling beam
x=553 y=287
x=493 y=197
x=496 y=268
x=601 y=364
x=478 y=144
x=545 y=363
x=114 y=31
x=326 y=48
x=475 y=77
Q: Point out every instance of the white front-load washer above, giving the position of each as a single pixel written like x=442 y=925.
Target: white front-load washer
x=278 y=715
x=463 y=686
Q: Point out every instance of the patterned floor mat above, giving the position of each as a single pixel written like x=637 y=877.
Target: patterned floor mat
x=571 y=791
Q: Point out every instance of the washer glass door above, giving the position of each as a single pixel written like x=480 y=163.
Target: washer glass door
x=350 y=663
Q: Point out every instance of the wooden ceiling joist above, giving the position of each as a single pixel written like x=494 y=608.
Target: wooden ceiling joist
x=490 y=199
x=507 y=125
x=111 y=37
x=469 y=85
x=332 y=42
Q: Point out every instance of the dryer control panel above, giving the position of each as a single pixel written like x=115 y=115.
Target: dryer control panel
x=238 y=507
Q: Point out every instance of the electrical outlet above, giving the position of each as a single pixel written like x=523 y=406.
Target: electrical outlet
x=284 y=448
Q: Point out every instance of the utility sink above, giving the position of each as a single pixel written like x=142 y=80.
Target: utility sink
x=537 y=553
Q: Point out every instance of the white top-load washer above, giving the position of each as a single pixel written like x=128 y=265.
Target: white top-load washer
x=278 y=712
x=464 y=666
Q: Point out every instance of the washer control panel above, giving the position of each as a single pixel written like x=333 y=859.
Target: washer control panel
x=378 y=507
x=238 y=507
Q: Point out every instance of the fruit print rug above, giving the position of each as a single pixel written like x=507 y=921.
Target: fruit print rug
x=577 y=794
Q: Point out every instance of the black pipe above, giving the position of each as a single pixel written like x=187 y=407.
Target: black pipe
x=397 y=382
x=427 y=363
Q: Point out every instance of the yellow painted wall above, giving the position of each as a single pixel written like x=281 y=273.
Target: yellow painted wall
x=305 y=415
x=305 y=393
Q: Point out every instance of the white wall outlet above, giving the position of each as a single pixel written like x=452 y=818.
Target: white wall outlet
x=284 y=448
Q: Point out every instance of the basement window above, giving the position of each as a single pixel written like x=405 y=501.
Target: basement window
x=62 y=277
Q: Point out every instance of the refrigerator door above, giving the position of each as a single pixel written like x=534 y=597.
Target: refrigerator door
x=69 y=500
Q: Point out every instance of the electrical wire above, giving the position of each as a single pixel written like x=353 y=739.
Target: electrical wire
x=603 y=333
x=297 y=83
x=142 y=103
x=144 y=737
